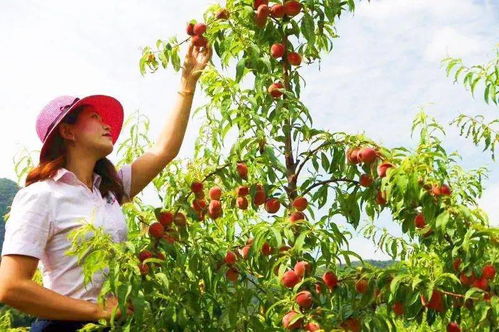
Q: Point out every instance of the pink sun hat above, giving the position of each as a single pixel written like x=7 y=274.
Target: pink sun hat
x=109 y=108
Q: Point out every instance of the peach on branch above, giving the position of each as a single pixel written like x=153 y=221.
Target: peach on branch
x=242 y=170
x=274 y=89
x=312 y=327
x=292 y=8
x=230 y=258
x=196 y=186
x=420 y=221
x=222 y=14
x=301 y=268
x=300 y=203
x=366 y=180
x=289 y=318
x=199 y=29
x=453 y=327
x=156 y=230
x=179 y=219
x=277 y=11
x=398 y=308
x=277 y=50
x=361 y=286
x=382 y=169
x=145 y=254
x=367 y=155
x=304 y=299
x=215 y=193
x=257 y=3
x=272 y=205
x=259 y=198
x=199 y=41
x=488 y=271
x=232 y=274
x=242 y=191
x=353 y=156
x=190 y=29
x=290 y=279
x=242 y=202
x=294 y=59
x=165 y=218
x=330 y=279
x=266 y=249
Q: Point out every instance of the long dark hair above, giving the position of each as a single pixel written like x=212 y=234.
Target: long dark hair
x=55 y=159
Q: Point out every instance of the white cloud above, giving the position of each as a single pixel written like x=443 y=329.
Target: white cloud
x=447 y=41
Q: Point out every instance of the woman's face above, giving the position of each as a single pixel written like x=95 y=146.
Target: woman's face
x=90 y=133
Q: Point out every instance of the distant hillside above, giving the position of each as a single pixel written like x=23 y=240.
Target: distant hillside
x=8 y=190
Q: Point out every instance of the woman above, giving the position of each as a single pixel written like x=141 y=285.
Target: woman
x=75 y=180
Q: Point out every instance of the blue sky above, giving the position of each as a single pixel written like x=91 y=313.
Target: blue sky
x=384 y=67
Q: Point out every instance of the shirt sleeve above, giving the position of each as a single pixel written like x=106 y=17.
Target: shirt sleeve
x=28 y=227
x=125 y=174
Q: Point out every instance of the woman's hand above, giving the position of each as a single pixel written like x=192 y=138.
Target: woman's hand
x=194 y=63
x=106 y=309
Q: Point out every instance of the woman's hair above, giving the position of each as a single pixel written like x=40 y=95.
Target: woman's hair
x=55 y=158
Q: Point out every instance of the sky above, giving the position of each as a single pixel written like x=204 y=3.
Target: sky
x=384 y=67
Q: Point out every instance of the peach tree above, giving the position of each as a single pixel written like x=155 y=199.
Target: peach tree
x=248 y=234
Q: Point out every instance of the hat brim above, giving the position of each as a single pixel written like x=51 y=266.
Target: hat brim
x=109 y=108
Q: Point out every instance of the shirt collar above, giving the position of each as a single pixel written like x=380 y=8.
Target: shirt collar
x=67 y=176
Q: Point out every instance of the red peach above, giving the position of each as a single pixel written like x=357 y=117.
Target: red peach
x=420 y=221
x=232 y=274
x=274 y=89
x=351 y=324
x=199 y=29
x=242 y=191
x=277 y=50
x=312 y=327
x=156 y=230
x=190 y=29
x=366 y=180
x=302 y=268
x=290 y=279
x=196 y=186
x=445 y=190
x=266 y=249
x=215 y=193
x=199 y=41
x=242 y=202
x=145 y=254
x=257 y=3
x=304 y=299
x=457 y=262
x=398 y=308
x=300 y=203
x=380 y=198
x=294 y=59
x=292 y=8
x=230 y=258
x=330 y=279
x=453 y=327
x=165 y=218
x=222 y=14
x=288 y=318
x=199 y=204
x=144 y=269
x=277 y=11
x=481 y=283
x=296 y=216
x=353 y=156
x=179 y=219
x=259 y=198
x=367 y=155
x=361 y=286
x=383 y=168
x=245 y=251
x=242 y=170
x=488 y=271
x=272 y=205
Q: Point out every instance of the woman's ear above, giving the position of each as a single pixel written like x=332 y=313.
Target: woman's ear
x=66 y=131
